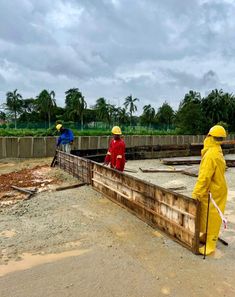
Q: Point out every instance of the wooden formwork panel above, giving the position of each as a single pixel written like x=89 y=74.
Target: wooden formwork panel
x=175 y=214
x=77 y=166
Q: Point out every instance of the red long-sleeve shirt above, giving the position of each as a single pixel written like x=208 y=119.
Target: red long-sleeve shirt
x=116 y=154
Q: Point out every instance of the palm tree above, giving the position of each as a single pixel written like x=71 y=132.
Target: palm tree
x=122 y=116
x=46 y=101
x=165 y=115
x=28 y=106
x=14 y=103
x=130 y=103
x=217 y=106
x=102 y=109
x=190 y=117
x=191 y=96
x=75 y=104
x=148 y=114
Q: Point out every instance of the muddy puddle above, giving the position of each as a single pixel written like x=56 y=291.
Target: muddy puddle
x=29 y=260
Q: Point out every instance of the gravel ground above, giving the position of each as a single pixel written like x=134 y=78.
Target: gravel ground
x=76 y=242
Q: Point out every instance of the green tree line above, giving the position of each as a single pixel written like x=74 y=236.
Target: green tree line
x=195 y=114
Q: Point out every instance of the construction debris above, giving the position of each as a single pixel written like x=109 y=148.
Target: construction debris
x=160 y=170
x=130 y=170
x=71 y=187
x=181 y=161
x=192 y=171
x=25 y=182
x=24 y=190
x=29 y=192
x=177 y=188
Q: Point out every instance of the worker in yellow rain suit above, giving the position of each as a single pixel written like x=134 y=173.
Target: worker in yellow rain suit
x=211 y=179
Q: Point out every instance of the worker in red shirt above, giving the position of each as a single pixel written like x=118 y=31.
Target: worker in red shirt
x=116 y=152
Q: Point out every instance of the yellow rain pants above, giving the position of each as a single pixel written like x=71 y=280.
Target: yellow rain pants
x=211 y=179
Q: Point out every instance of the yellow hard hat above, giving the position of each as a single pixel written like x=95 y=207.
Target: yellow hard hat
x=58 y=127
x=116 y=130
x=217 y=131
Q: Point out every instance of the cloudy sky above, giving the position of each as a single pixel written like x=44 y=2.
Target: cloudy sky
x=156 y=50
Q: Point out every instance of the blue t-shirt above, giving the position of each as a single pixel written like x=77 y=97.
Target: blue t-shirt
x=65 y=137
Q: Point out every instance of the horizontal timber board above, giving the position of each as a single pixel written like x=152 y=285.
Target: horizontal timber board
x=176 y=222
x=146 y=196
x=186 y=239
x=175 y=214
x=98 y=184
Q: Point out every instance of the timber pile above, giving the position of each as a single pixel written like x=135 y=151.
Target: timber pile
x=230 y=161
x=182 y=160
x=153 y=170
x=191 y=170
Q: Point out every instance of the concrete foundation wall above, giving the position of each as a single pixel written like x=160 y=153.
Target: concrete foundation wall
x=36 y=147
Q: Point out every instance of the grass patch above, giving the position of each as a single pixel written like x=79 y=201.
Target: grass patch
x=96 y=132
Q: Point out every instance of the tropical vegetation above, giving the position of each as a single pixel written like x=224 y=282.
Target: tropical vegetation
x=37 y=116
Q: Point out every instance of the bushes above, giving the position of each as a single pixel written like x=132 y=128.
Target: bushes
x=88 y=132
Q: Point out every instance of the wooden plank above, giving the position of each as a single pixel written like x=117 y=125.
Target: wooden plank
x=77 y=166
x=155 y=221
x=230 y=162
x=181 y=161
x=168 y=210
x=70 y=187
x=24 y=190
x=109 y=183
x=160 y=170
x=177 y=188
x=177 y=215
x=144 y=207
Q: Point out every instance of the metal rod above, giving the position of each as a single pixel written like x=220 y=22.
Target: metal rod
x=207 y=223
x=223 y=241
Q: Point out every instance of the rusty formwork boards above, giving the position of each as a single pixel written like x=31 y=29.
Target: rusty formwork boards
x=76 y=166
x=175 y=214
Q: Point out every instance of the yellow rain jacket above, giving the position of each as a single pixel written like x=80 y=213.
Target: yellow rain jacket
x=211 y=179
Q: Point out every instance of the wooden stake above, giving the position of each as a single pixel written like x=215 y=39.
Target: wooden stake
x=70 y=187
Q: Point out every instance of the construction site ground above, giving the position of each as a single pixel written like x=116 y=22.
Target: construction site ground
x=78 y=243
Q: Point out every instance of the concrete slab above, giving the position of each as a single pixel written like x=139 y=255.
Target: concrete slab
x=93 y=142
x=50 y=146
x=156 y=140
x=149 y=140
x=103 y=142
x=39 y=147
x=76 y=143
x=25 y=147
x=12 y=147
x=85 y=143
x=2 y=147
x=128 y=140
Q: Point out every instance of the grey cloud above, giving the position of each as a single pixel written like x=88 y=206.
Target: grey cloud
x=21 y=23
x=100 y=47
x=195 y=81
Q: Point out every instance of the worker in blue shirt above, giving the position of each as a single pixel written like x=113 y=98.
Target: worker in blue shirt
x=66 y=138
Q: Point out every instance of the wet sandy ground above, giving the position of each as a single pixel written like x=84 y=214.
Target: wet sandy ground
x=78 y=243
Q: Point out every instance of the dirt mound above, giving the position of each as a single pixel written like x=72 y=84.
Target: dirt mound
x=38 y=177
x=33 y=177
